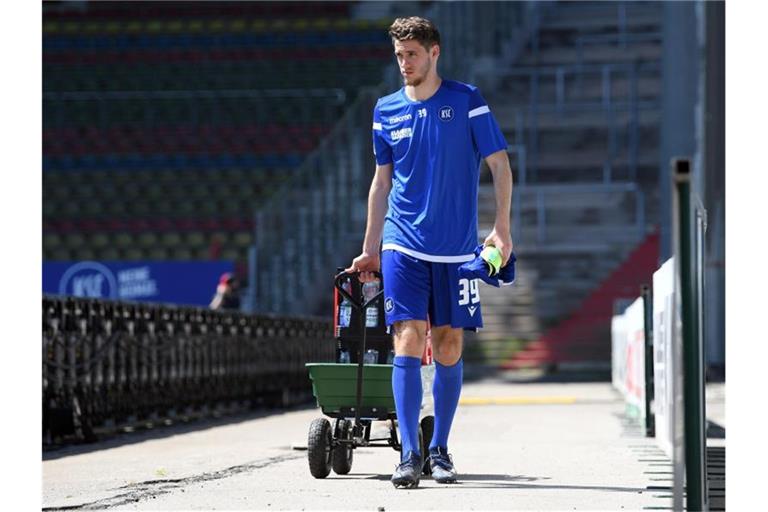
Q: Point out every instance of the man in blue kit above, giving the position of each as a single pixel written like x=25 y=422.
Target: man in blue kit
x=428 y=139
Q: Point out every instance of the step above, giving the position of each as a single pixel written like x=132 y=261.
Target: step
x=506 y=115
x=646 y=52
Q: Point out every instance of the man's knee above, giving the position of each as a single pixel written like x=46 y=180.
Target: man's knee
x=447 y=345
x=410 y=337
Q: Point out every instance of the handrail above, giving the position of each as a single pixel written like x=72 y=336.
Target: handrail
x=541 y=191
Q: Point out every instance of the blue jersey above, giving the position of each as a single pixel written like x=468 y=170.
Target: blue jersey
x=435 y=147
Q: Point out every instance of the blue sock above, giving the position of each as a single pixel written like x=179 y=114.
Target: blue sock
x=445 y=390
x=406 y=386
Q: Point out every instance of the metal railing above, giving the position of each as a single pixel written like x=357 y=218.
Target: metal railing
x=110 y=365
x=307 y=228
x=546 y=197
x=560 y=90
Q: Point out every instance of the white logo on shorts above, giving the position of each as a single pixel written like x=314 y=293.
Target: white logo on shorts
x=389 y=305
x=472 y=310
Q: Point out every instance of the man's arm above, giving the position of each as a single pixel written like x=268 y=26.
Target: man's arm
x=501 y=237
x=369 y=259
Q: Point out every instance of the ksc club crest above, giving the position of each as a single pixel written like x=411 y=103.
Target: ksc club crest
x=89 y=279
x=445 y=113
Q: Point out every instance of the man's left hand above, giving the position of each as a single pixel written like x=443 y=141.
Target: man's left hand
x=502 y=240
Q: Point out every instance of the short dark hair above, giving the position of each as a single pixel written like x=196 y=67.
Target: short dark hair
x=417 y=29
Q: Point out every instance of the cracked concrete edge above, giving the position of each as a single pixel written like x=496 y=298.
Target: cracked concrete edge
x=150 y=489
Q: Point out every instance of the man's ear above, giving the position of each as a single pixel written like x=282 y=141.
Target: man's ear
x=435 y=50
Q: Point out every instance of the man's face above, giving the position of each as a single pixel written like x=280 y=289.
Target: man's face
x=414 y=61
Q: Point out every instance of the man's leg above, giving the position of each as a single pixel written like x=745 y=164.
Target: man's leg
x=409 y=340
x=447 y=345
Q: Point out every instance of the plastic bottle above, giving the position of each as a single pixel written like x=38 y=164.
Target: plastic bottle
x=391 y=357
x=344 y=356
x=371 y=312
x=345 y=308
x=371 y=356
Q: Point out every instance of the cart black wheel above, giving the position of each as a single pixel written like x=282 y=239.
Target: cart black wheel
x=342 y=453
x=427 y=429
x=319 y=450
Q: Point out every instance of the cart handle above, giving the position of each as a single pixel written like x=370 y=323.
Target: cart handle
x=337 y=283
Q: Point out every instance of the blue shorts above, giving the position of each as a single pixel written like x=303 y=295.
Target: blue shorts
x=415 y=289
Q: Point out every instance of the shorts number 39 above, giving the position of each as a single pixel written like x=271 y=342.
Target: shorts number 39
x=467 y=291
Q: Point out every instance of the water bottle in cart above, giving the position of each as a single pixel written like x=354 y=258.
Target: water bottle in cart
x=371 y=312
x=345 y=308
x=371 y=356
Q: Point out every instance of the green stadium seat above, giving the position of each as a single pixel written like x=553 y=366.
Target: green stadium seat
x=196 y=239
x=74 y=240
x=109 y=254
x=201 y=253
x=132 y=254
x=51 y=240
x=243 y=239
x=158 y=253
x=124 y=240
x=99 y=241
x=181 y=254
x=147 y=240
x=170 y=240
x=231 y=254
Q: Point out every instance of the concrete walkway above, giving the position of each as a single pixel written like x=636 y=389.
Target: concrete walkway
x=516 y=446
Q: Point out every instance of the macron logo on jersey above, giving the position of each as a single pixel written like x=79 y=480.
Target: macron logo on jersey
x=402 y=133
x=406 y=117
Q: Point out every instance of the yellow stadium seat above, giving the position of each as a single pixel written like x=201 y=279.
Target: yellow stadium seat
x=132 y=254
x=195 y=26
x=175 y=26
x=154 y=26
x=321 y=24
x=113 y=27
x=237 y=25
x=71 y=27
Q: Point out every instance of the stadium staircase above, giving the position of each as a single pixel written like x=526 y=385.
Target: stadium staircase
x=579 y=340
x=580 y=110
x=165 y=126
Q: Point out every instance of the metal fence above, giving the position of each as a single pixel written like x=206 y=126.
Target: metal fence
x=564 y=91
x=110 y=365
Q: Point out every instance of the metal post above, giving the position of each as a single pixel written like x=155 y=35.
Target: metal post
x=633 y=120
x=640 y=211
x=650 y=418
x=534 y=121
x=693 y=375
x=541 y=217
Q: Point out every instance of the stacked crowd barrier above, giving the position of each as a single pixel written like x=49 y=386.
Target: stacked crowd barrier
x=109 y=366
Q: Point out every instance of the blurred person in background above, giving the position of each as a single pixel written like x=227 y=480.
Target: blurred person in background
x=428 y=138
x=227 y=293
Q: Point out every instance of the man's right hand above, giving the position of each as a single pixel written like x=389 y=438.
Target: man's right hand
x=366 y=264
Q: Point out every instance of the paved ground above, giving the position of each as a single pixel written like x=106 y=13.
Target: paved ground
x=550 y=446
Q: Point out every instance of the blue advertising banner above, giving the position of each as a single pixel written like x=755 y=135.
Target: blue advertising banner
x=187 y=283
